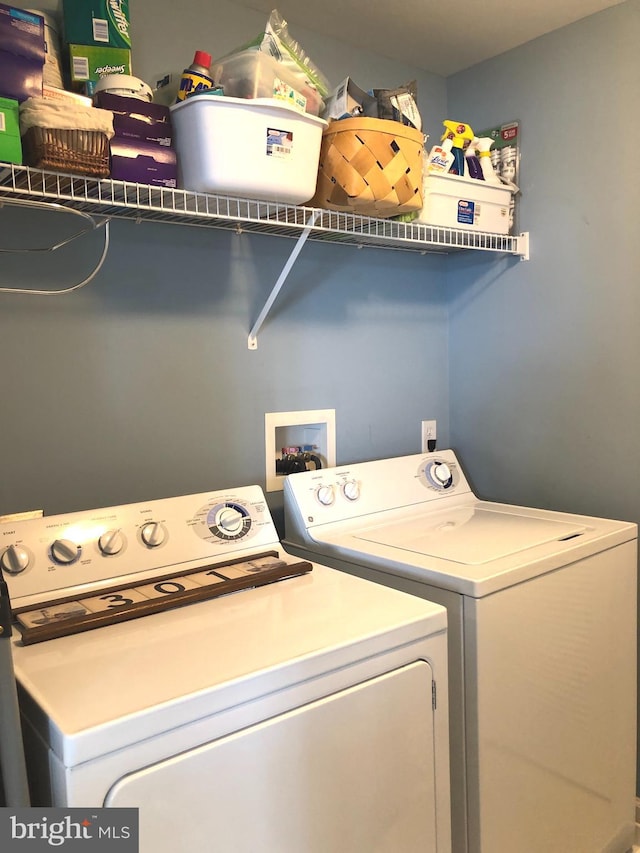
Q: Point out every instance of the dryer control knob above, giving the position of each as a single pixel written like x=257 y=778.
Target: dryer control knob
x=351 y=490
x=230 y=520
x=15 y=559
x=111 y=542
x=442 y=473
x=325 y=495
x=153 y=534
x=65 y=551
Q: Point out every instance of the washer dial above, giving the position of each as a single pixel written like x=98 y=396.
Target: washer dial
x=351 y=490
x=439 y=474
x=325 y=495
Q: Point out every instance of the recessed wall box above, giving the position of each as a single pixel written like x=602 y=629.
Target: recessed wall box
x=315 y=429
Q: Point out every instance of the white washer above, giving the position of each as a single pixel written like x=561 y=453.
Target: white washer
x=542 y=642
x=309 y=714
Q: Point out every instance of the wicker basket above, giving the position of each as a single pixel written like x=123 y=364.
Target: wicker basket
x=81 y=152
x=370 y=166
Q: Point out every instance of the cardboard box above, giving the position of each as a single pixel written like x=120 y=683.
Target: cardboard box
x=89 y=63
x=52 y=93
x=10 y=144
x=137 y=119
x=143 y=163
x=103 y=23
x=348 y=100
x=22 y=53
x=456 y=202
x=22 y=33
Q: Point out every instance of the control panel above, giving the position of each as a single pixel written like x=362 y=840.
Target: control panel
x=352 y=491
x=87 y=550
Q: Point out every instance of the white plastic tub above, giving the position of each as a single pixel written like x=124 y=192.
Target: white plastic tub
x=260 y=149
x=457 y=202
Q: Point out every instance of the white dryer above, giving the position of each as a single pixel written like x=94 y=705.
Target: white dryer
x=542 y=642
x=299 y=710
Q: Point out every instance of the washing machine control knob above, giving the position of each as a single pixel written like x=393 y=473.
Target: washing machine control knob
x=351 y=490
x=152 y=534
x=325 y=495
x=442 y=474
x=65 y=551
x=14 y=559
x=111 y=542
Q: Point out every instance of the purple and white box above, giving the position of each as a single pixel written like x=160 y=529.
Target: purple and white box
x=143 y=163
x=22 y=53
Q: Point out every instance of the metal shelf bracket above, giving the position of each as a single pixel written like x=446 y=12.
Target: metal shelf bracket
x=253 y=334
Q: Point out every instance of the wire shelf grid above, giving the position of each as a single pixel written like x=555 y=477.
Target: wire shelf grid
x=141 y=202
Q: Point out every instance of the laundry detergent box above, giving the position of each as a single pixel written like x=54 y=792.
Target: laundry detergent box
x=457 y=202
x=97 y=22
x=134 y=118
x=22 y=53
x=10 y=144
x=89 y=63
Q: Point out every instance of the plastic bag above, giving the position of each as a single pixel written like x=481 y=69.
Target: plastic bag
x=278 y=42
x=400 y=104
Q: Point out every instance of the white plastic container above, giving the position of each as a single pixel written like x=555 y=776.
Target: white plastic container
x=456 y=202
x=255 y=74
x=259 y=149
x=125 y=85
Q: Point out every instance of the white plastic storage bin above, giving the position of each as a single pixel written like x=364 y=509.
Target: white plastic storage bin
x=255 y=74
x=259 y=149
x=457 y=202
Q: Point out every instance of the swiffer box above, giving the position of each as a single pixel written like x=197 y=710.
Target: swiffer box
x=134 y=118
x=457 y=202
x=10 y=144
x=97 y=22
x=89 y=63
x=143 y=163
x=21 y=53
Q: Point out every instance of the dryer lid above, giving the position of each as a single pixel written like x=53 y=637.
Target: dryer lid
x=470 y=535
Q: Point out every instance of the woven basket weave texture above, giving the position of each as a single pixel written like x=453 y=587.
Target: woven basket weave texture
x=371 y=167
x=81 y=152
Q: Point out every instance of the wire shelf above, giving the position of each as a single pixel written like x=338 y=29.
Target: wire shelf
x=140 y=202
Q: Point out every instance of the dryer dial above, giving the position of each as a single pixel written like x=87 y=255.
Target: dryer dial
x=230 y=519
x=65 y=552
x=111 y=542
x=153 y=534
x=14 y=559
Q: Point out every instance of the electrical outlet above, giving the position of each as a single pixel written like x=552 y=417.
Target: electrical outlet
x=428 y=436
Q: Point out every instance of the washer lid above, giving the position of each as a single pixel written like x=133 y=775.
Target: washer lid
x=469 y=534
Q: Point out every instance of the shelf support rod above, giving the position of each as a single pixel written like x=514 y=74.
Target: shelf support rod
x=253 y=334
x=523 y=245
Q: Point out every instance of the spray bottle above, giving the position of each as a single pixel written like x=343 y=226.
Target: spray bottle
x=196 y=77
x=440 y=158
x=472 y=163
x=483 y=147
x=460 y=135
